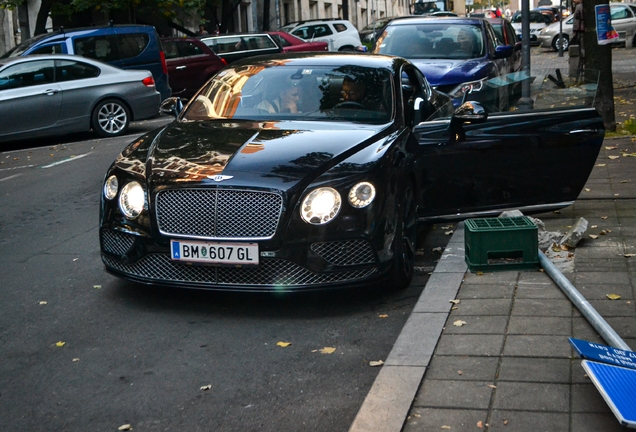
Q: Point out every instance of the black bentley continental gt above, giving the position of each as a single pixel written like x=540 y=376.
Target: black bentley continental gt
x=311 y=171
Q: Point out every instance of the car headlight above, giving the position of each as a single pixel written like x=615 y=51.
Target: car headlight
x=361 y=194
x=132 y=200
x=467 y=87
x=110 y=187
x=320 y=206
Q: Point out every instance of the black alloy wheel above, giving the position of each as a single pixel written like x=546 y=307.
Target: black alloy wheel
x=404 y=242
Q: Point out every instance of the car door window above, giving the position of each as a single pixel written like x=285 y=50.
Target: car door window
x=57 y=48
x=133 y=44
x=189 y=49
x=170 y=49
x=320 y=30
x=27 y=74
x=281 y=40
x=67 y=70
x=340 y=27
x=102 y=48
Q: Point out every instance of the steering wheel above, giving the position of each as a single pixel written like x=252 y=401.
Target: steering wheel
x=349 y=104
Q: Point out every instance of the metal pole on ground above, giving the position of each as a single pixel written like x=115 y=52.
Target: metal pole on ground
x=594 y=318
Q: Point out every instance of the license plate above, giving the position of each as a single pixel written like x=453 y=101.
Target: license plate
x=214 y=253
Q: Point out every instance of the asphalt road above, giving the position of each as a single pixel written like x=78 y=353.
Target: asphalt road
x=84 y=351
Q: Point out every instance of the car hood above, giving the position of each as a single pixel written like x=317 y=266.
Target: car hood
x=442 y=72
x=247 y=153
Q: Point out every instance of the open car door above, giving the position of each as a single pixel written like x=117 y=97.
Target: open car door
x=477 y=163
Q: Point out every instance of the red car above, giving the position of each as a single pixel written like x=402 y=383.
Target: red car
x=291 y=43
x=191 y=63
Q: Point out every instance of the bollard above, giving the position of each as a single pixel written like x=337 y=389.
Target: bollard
x=574 y=52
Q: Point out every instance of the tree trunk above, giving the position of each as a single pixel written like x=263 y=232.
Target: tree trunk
x=599 y=58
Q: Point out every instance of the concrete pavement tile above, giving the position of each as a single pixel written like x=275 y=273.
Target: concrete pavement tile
x=587 y=399
x=627 y=221
x=436 y=419
x=416 y=343
x=599 y=292
x=493 y=278
x=595 y=423
x=525 y=421
x=477 y=324
x=439 y=290
x=452 y=265
x=624 y=326
x=535 y=370
x=628 y=231
x=534 y=277
x=472 y=368
x=600 y=264
x=486 y=291
x=483 y=307
x=582 y=329
x=544 y=290
x=387 y=404
x=609 y=251
x=601 y=278
x=454 y=394
x=477 y=345
x=607 y=308
x=521 y=325
x=537 y=346
x=542 y=307
x=532 y=396
x=586 y=207
x=628 y=212
x=625 y=204
x=579 y=376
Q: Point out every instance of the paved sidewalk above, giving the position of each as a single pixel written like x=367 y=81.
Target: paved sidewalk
x=510 y=367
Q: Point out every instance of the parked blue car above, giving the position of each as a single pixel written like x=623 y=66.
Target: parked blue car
x=122 y=46
x=457 y=55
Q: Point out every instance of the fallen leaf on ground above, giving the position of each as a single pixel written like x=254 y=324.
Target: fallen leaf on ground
x=594 y=226
x=629 y=154
x=206 y=387
x=603 y=217
x=602 y=232
x=613 y=157
x=43 y=302
x=445 y=427
x=587 y=189
x=624 y=181
x=383 y=316
x=456 y=301
x=76 y=359
x=374 y=363
x=437 y=249
x=480 y=424
x=448 y=232
x=125 y=427
x=60 y=343
x=283 y=344
x=600 y=165
x=505 y=421
x=556 y=211
x=459 y=323
x=480 y=273
x=611 y=147
x=446 y=227
x=460 y=373
x=492 y=386
x=613 y=296
x=97 y=286
x=594 y=237
x=328 y=350
x=629 y=255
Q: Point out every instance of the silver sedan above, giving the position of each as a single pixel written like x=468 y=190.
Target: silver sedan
x=46 y=95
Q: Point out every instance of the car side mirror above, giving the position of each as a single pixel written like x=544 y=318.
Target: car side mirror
x=172 y=106
x=504 y=51
x=470 y=112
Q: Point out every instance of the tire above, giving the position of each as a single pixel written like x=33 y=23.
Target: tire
x=347 y=48
x=110 y=118
x=566 y=42
x=404 y=242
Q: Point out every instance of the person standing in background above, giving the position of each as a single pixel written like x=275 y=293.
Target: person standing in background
x=578 y=27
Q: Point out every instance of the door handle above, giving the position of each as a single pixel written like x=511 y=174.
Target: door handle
x=50 y=92
x=180 y=67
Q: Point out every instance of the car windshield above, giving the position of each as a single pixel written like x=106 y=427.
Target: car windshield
x=432 y=41
x=279 y=92
x=25 y=45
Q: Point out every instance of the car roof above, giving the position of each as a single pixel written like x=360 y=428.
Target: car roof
x=326 y=59
x=428 y=20
x=220 y=36
x=30 y=57
x=297 y=23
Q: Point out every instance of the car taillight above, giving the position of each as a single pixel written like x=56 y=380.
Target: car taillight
x=164 y=66
x=148 y=82
x=224 y=62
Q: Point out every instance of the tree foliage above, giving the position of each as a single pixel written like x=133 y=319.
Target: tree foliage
x=10 y=4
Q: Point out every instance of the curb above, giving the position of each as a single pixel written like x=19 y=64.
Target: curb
x=388 y=402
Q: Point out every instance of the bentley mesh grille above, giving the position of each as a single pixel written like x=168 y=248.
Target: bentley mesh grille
x=348 y=252
x=218 y=213
x=117 y=243
x=270 y=272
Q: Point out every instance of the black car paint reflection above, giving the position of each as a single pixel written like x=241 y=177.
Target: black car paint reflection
x=236 y=176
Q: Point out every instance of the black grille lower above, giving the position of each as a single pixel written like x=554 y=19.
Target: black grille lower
x=348 y=252
x=117 y=243
x=271 y=272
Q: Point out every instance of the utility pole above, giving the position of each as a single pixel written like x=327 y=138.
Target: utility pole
x=526 y=102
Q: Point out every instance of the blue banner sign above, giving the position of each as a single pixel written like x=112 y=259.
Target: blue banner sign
x=617 y=385
x=605 y=33
x=603 y=353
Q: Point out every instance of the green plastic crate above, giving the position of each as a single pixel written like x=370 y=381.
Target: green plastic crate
x=493 y=244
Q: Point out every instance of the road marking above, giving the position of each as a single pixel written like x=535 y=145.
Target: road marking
x=69 y=159
x=10 y=177
x=15 y=168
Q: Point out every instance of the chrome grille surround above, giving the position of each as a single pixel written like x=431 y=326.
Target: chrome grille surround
x=270 y=272
x=116 y=242
x=218 y=214
x=343 y=253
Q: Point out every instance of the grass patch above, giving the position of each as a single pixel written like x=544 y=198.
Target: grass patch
x=628 y=127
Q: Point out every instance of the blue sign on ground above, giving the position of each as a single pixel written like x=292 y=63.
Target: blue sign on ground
x=617 y=385
x=604 y=353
